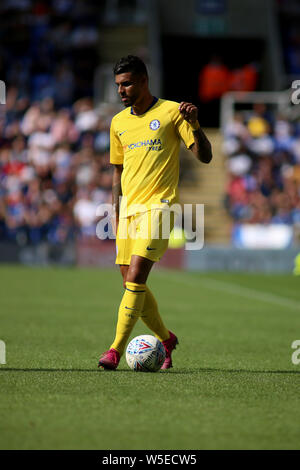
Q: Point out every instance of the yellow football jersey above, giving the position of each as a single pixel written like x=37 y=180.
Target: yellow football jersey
x=148 y=148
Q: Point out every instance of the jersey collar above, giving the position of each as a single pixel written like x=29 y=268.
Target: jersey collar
x=155 y=100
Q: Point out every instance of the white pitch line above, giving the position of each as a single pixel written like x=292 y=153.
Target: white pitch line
x=235 y=289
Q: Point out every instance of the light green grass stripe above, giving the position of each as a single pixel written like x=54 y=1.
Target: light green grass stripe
x=233 y=289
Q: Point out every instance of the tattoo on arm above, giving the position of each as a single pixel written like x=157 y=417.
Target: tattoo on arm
x=201 y=147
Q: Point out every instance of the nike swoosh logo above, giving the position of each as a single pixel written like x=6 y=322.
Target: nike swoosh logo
x=150 y=249
x=128 y=308
x=122 y=132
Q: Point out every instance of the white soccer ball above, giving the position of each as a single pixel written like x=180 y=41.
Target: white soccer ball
x=145 y=353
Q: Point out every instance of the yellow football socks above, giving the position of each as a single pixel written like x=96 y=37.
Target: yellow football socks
x=151 y=317
x=129 y=311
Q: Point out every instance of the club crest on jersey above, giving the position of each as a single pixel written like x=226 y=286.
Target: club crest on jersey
x=154 y=125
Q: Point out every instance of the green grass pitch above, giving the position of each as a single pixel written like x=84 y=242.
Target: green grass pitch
x=233 y=384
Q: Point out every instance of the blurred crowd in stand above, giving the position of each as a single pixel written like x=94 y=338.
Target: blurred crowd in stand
x=263 y=150
x=54 y=144
x=49 y=48
x=54 y=169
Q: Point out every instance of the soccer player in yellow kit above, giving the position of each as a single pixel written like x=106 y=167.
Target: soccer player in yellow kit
x=144 y=149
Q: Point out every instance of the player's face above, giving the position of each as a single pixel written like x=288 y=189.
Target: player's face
x=130 y=87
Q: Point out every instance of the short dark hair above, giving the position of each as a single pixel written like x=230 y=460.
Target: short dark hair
x=132 y=64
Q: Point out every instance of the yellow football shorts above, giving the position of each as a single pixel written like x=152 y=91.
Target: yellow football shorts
x=146 y=234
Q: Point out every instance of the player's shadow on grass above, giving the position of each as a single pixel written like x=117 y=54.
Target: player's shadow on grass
x=172 y=371
x=235 y=371
x=14 y=369
x=24 y=369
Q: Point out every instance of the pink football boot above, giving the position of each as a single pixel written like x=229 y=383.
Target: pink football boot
x=110 y=359
x=169 y=345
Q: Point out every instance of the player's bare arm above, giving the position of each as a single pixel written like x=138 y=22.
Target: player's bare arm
x=116 y=192
x=201 y=147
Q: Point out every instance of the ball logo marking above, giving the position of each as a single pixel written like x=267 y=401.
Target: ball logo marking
x=145 y=353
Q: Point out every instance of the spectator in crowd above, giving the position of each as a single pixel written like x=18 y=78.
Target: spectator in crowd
x=213 y=80
x=54 y=170
x=264 y=168
x=216 y=78
x=244 y=78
